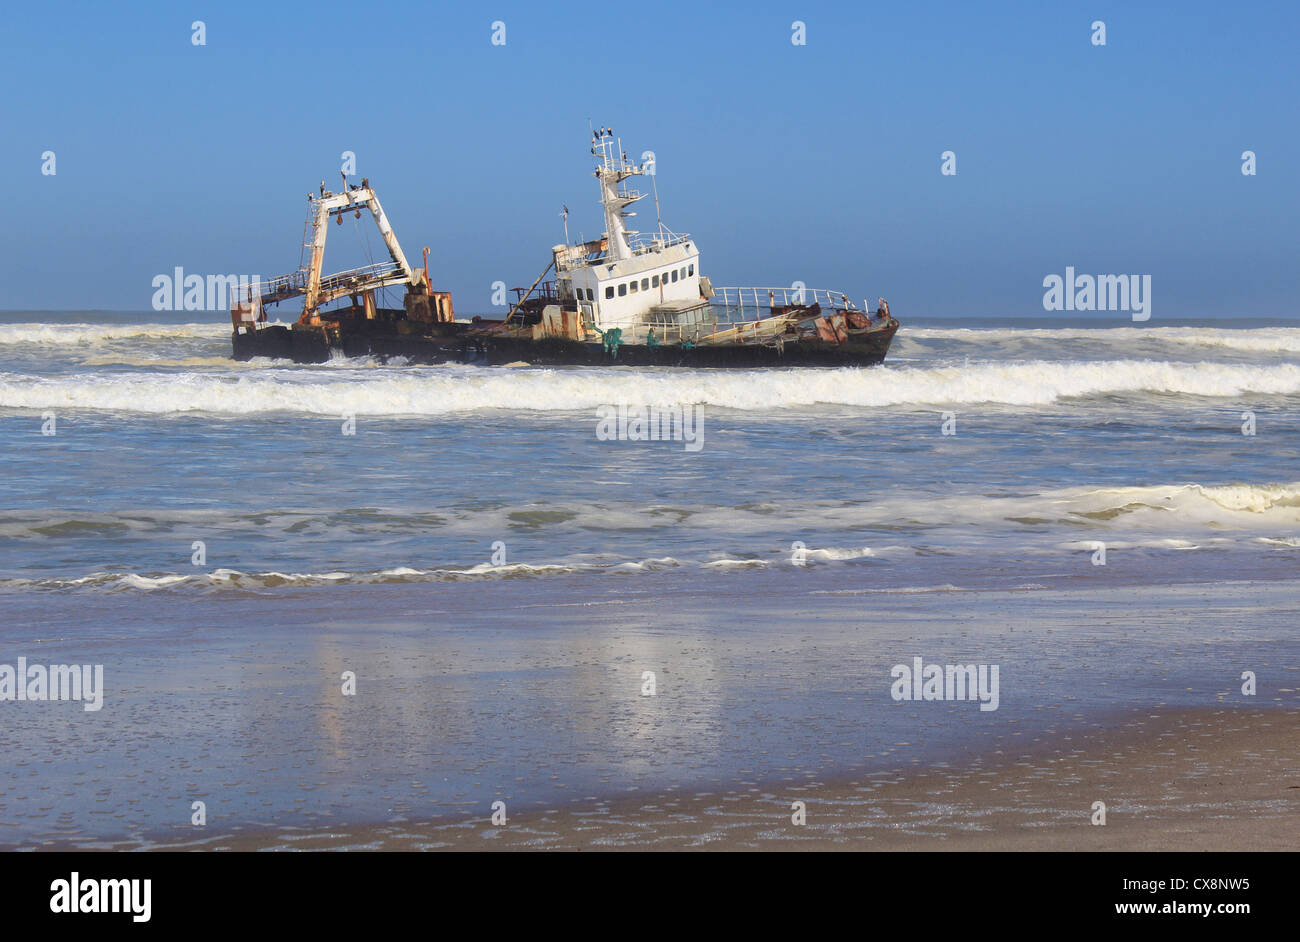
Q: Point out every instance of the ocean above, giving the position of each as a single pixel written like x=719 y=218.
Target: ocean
x=533 y=613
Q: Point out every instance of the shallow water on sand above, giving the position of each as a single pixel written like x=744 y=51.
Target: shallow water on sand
x=537 y=698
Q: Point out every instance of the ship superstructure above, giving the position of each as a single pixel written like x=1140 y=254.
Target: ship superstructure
x=627 y=279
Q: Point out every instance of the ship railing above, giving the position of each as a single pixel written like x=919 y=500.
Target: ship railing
x=295 y=283
x=748 y=331
x=277 y=288
x=670 y=333
x=641 y=242
x=736 y=301
x=677 y=327
x=545 y=290
x=361 y=277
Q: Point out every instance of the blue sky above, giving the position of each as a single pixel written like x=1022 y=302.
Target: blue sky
x=818 y=163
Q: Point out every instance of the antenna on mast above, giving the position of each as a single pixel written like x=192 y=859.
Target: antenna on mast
x=659 y=222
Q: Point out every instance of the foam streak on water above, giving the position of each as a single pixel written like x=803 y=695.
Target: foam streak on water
x=1066 y=435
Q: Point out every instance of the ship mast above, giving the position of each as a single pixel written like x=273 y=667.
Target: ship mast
x=612 y=170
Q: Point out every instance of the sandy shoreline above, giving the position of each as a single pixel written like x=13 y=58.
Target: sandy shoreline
x=1121 y=694
x=1221 y=779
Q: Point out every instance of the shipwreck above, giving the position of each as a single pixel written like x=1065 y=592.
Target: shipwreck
x=627 y=298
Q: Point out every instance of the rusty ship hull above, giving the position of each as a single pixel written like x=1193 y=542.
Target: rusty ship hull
x=419 y=342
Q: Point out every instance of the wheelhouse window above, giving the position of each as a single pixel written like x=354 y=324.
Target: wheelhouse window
x=645 y=284
x=622 y=289
x=634 y=287
x=674 y=276
x=654 y=281
x=609 y=292
x=690 y=270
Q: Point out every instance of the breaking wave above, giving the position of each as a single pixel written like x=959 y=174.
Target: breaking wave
x=448 y=391
x=1171 y=518
x=254 y=581
x=1254 y=340
x=88 y=334
x=1217 y=508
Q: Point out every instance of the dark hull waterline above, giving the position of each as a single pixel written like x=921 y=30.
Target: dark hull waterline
x=430 y=343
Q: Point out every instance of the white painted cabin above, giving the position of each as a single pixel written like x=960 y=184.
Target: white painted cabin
x=626 y=280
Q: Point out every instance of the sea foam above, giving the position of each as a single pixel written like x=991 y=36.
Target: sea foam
x=425 y=391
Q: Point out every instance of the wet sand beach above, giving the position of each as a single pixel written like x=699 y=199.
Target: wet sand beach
x=1207 y=780
x=769 y=689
